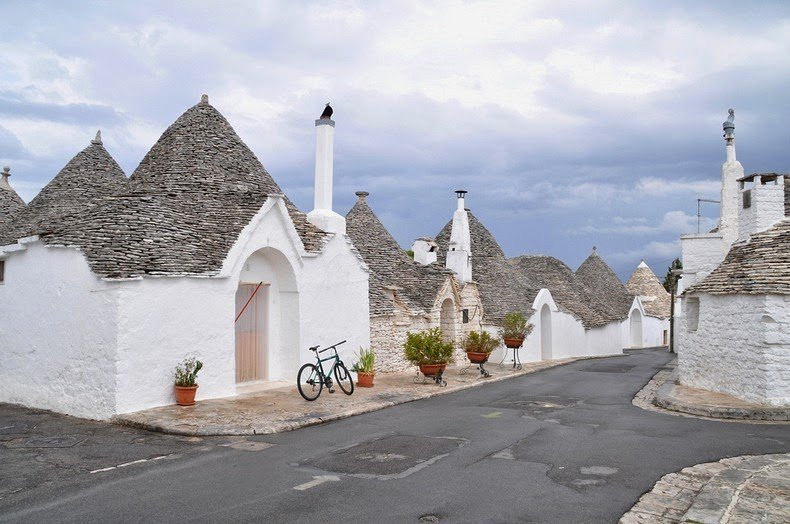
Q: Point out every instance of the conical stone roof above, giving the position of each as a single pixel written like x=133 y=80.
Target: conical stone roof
x=389 y=264
x=10 y=203
x=760 y=266
x=645 y=284
x=188 y=201
x=603 y=284
x=570 y=295
x=502 y=286
x=88 y=178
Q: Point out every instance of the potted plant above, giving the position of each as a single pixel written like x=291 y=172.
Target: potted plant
x=515 y=329
x=186 y=385
x=365 y=368
x=428 y=350
x=478 y=346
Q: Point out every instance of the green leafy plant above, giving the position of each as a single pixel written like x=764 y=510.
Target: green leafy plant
x=186 y=372
x=366 y=362
x=427 y=347
x=480 y=342
x=516 y=326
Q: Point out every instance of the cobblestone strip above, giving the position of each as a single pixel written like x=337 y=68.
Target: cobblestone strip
x=734 y=490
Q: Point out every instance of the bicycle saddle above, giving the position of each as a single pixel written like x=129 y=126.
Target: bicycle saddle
x=314 y=348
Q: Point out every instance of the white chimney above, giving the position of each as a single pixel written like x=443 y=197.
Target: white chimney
x=762 y=203
x=424 y=249
x=322 y=215
x=731 y=172
x=459 y=250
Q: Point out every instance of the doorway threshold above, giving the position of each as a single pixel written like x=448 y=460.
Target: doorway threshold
x=252 y=388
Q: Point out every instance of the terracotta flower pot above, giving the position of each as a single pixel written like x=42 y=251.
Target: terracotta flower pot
x=185 y=395
x=365 y=380
x=476 y=357
x=514 y=343
x=431 y=370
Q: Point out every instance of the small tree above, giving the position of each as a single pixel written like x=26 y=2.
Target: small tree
x=516 y=326
x=676 y=264
x=427 y=347
x=480 y=342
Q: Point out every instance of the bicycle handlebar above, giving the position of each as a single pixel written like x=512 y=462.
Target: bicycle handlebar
x=314 y=348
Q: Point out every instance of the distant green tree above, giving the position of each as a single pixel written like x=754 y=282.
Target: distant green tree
x=676 y=264
x=410 y=253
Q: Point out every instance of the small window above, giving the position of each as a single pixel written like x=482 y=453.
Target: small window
x=692 y=313
x=466 y=316
x=747 y=199
x=2 y=271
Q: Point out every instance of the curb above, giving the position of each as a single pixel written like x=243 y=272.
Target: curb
x=666 y=399
x=128 y=419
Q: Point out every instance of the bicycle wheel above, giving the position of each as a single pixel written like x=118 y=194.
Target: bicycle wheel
x=309 y=382
x=343 y=378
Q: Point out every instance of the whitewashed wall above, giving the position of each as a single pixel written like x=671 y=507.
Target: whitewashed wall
x=700 y=254
x=73 y=343
x=741 y=347
x=164 y=320
x=58 y=325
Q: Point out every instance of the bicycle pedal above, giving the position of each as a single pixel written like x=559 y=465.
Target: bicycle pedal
x=331 y=390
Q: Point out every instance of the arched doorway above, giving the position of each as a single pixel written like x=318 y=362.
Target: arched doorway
x=266 y=319
x=636 y=329
x=447 y=320
x=545 y=333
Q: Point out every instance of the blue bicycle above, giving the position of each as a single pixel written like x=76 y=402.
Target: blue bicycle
x=313 y=377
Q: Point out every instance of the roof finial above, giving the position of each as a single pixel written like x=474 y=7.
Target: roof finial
x=327 y=114
x=729 y=125
x=595 y=249
x=97 y=140
x=204 y=98
x=4 y=180
x=362 y=194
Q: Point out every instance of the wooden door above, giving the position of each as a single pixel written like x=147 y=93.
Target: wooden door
x=251 y=326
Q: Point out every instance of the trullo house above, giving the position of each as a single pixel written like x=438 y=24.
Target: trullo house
x=109 y=282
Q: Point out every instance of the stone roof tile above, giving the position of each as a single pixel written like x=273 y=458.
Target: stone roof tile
x=602 y=283
x=389 y=265
x=502 y=286
x=187 y=203
x=757 y=267
x=10 y=203
x=88 y=178
x=645 y=284
x=569 y=294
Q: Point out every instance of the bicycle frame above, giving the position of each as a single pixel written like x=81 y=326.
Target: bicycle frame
x=324 y=375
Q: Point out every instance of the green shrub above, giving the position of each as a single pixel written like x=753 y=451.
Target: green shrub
x=186 y=372
x=480 y=342
x=427 y=347
x=516 y=326
x=366 y=362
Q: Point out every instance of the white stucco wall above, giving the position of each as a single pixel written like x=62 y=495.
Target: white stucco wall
x=700 y=255
x=76 y=344
x=58 y=325
x=741 y=347
x=164 y=320
x=652 y=329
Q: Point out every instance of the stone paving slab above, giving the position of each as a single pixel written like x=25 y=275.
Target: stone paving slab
x=735 y=490
x=283 y=409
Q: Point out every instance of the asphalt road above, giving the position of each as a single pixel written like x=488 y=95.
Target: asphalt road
x=562 y=445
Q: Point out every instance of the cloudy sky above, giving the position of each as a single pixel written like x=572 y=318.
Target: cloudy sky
x=571 y=124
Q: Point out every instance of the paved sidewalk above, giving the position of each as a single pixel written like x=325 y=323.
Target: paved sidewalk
x=734 y=490
x=664 y=394
x=282 y=409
